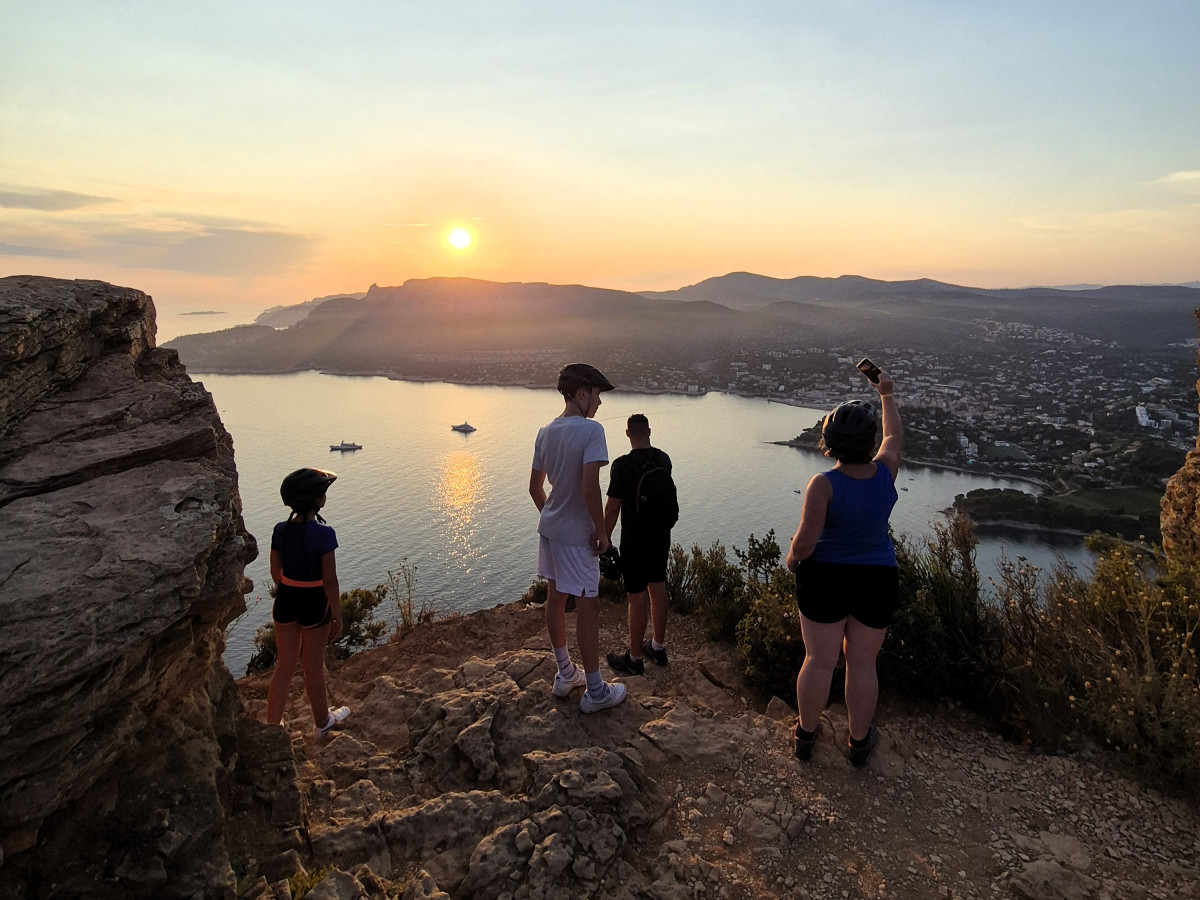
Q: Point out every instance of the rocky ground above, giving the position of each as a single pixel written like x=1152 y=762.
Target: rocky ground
x=460 y=775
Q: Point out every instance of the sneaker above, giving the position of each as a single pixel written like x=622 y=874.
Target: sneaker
x=659 y=656
x=860 y=756
x=623 y=662
x=564 y=686
x=336 y=718
x=614 y=693
x=804 y=746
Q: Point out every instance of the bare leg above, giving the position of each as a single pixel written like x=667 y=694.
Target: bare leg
x=587 y=631
x=556 y=615
x=287 y=653
x=312 y=657
x=822 y=646
x=862 y=681
x=658 y=609
x=637 y=621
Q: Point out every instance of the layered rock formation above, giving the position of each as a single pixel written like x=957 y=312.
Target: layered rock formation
x=1180 y=507
x=123 y=553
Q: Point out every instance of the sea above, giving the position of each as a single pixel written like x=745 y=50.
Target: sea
x=455 y=507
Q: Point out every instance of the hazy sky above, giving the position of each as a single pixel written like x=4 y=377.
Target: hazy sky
x=233 y=156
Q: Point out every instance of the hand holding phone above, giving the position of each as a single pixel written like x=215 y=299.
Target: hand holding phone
x=869 y=369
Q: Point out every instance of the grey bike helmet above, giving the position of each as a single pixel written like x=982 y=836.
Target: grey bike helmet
x=303 y=488
x=849 y=430
x=576 y=375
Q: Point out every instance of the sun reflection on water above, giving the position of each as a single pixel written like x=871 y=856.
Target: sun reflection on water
x=457 y=496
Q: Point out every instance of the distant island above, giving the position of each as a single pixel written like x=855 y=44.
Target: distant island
x=205 y=312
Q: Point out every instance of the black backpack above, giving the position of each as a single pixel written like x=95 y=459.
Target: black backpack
x=656 y=503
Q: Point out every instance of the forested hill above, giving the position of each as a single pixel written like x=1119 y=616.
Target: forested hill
x=424 y=325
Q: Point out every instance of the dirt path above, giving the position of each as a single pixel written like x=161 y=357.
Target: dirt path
x=944 y=809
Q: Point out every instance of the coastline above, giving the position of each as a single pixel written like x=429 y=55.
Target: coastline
x=932 y=464
x=498 y=382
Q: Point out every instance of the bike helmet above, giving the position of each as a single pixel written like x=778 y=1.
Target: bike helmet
x=303 y=488
x=849 y=431
x=576 y=375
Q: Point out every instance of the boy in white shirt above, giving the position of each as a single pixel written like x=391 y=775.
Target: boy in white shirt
x=569 y=453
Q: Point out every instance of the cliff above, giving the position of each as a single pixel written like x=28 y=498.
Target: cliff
x=123 y=553
x=1180 y=510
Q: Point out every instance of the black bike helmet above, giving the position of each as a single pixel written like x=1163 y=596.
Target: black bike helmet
x=576 y=375
x=848 y=432
x=303 y=488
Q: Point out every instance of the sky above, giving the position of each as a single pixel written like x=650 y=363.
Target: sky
x=233 y=156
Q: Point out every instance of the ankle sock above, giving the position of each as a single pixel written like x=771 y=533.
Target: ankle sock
x=595 y=684
x=860 y=744
x=803 y=735
x=656 y=645
x=629 y=653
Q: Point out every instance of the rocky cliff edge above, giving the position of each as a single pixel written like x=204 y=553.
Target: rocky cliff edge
x=123 y=553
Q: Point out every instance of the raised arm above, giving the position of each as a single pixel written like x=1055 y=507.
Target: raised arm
x=893 y=429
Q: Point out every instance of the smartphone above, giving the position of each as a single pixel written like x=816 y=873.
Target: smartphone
x=869 y=369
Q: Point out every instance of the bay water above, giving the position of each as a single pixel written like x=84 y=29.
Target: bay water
x=456 y=506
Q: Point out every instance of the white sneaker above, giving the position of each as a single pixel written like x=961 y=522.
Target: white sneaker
x=614 y=693
x=336 y=717
x=564 y=686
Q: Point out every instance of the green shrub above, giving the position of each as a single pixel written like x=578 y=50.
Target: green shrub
x=945 y=639
x=536 y=593
x=1112 y=657
x=705 y=582
x=768 y=635
x=359 y=628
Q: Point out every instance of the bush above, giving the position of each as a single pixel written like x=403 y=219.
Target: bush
x=1112 y=657
x=704 y=581
x=944 y=640
x=768 y=636
x=359 y=628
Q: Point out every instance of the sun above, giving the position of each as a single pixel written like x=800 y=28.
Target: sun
x=459 y=238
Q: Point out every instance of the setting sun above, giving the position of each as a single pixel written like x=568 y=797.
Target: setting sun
x=459 y=238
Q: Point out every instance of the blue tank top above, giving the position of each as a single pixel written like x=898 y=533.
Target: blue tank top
x=856 y=522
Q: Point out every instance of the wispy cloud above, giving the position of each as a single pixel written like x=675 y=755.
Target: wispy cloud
x=237 y=252
x=1187 y=181
x=24 y=250
x=49 y=201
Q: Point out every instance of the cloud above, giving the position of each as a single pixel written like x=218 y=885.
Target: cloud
x=21 y=250
x=49 y=201
x=1186 y=181
x=233 y=251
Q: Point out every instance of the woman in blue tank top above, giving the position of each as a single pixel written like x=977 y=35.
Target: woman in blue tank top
x=847 y=583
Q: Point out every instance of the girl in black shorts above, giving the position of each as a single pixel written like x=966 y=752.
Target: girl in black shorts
x=307 y=611
x=847 y=583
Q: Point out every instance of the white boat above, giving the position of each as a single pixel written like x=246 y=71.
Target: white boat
x=465 y=428
x=345 y=445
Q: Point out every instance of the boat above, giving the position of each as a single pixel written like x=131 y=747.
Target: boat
x=465 y=428
x=345 y=445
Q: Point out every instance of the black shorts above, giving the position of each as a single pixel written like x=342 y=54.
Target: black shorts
x=644 y=560
x=306 y=605
x=829 y=592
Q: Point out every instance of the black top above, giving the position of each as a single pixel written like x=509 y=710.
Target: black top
x=623 y=481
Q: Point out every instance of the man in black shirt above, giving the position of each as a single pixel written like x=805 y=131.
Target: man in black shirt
x=642 y=493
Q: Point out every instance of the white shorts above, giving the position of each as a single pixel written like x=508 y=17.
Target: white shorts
x=574 y=570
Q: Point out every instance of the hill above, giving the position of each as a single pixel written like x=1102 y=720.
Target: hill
x=437 y=326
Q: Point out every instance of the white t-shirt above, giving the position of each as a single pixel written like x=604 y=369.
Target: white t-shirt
x=562 y=449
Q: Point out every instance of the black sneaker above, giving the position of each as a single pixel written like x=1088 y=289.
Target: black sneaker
x=623 y=662
x=860 y=756
x=659 y=656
